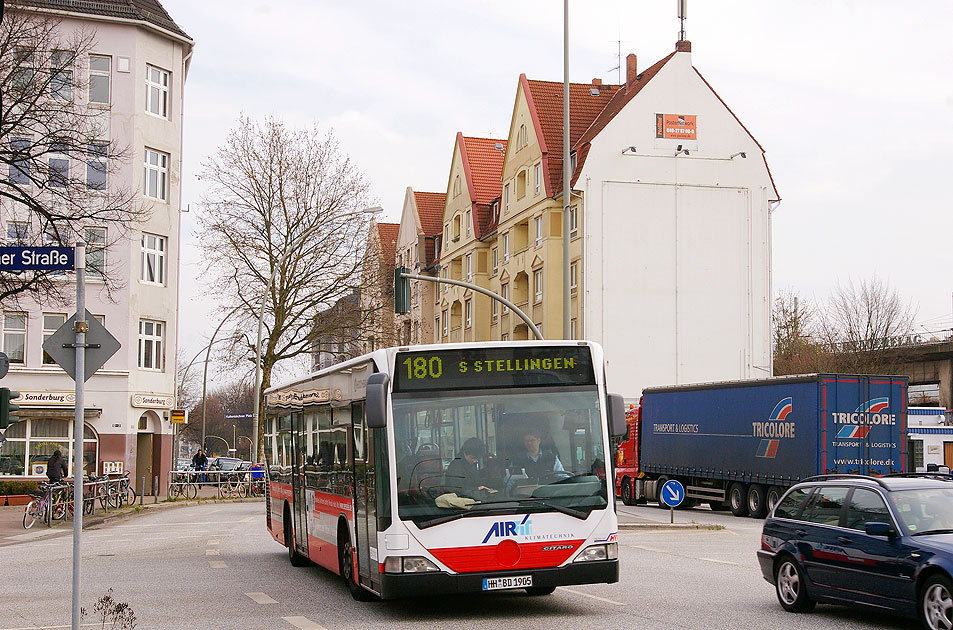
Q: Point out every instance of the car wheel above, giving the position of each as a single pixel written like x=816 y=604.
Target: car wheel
x=626 y=492
x=936 y=603
x=346 y=563
x=738 y=499
x=757 y=506
x=791 y=588
x=772 y=497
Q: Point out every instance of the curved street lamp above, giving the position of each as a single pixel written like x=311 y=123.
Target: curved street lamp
x=215 y=436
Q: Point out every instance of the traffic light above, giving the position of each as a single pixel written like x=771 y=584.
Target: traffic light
x=401 y=291
x=6 y=407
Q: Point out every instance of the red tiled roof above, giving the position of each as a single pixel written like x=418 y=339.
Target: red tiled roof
x=483 y=164
x=545 y=101
x=430 y=207
x=387 y=232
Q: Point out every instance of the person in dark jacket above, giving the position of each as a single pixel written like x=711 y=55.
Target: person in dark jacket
x=462 y=474
x=56 y=466
x=536 y=462
x=199 y=460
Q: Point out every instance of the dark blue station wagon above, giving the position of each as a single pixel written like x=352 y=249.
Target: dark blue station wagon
x=879 y=542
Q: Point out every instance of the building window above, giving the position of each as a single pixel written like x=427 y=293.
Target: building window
x=61 y=75
x=99 y=78
x=59 y=165
x=505 y=337
x=51 y=323
x=506 y=247
x=505 y=294
x=150 y=344
x=539 y=327
x=506 y=199
x=30 y=442
x=572 y=329
x=493 y=309
x=456 y=186
x=96 y=165
x=521 y=184
x=155 y=174
x=95 y=251
x=14 y=337
x=521 y=137
x=444 y=322
x=468 y=312
x=153 y=259
x=469 y=267
x=18 y=232
x=573 y=222
x=20 y=160
x=436 y=329
x=495 y=256
x=538 y=229
x=456 y=228
x=573 y=278
x=538 y=284
x=539 y=177
x=469 y=221
x=157 y=91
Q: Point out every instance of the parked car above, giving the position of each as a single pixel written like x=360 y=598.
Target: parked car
x=224 y=463
x=879 y=542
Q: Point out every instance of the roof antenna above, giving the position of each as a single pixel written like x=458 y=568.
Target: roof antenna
x=682 y=14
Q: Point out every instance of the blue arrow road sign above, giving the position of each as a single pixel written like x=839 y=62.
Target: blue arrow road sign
x=673 y=493
x=36 y=258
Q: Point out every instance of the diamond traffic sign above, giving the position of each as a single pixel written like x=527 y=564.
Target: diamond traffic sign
x=100 y=345
x=673 y=493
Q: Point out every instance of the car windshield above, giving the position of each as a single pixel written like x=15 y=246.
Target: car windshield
x=229 y=464
x=924 y=510
x=499 y=451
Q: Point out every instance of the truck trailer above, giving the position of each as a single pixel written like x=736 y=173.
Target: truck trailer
x=738 y=445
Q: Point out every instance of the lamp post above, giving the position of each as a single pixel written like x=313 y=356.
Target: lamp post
x=250 y=458
x=373 y=210
x=208 y=351
x=218 y=438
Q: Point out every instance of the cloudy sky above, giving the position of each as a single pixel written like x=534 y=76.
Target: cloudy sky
x=851 y=99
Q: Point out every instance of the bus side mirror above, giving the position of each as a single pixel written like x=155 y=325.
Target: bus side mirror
x=377 y=400
x=617 y=427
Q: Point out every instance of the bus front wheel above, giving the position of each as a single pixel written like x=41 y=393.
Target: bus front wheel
x=346 y=563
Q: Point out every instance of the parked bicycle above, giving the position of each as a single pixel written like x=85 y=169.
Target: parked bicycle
x=41 y=508
x=183 y=484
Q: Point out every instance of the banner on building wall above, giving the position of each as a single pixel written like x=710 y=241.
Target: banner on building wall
x=152 y=401
x=675 y=126
x=46 y=399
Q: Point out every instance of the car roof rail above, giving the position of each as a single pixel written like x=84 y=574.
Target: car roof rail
x=939 y=476
x=846 y=476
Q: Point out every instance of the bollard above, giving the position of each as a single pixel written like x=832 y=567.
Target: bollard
x=155 y=489
x=142 y=488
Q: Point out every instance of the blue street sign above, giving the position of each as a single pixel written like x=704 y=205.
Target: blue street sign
x=36 y=258
x=672 y=493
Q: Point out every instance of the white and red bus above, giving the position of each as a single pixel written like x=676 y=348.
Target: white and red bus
x=448 y=468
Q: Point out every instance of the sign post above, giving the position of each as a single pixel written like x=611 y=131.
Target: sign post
x=672 y=494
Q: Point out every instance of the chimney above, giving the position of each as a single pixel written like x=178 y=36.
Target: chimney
x=597 y=81
x=683 y=45
x=631 y=70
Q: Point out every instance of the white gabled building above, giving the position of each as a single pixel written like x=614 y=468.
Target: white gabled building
x=140 y=61
x=677 y=233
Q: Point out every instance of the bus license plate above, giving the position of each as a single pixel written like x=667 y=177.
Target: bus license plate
x=517 y=581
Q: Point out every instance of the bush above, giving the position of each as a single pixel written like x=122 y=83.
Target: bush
x=17 y=487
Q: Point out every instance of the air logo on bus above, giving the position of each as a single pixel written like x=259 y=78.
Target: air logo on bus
x=505 y=529
x=867 y=414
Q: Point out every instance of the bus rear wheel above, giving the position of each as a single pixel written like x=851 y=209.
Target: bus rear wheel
x=296 y=559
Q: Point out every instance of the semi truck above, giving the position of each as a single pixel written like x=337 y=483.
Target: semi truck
x=738 y=445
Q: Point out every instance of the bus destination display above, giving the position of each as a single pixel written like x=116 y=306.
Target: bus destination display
x=482 y=368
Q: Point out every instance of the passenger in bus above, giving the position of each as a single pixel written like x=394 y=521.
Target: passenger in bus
x=462 y=473
x=536 y=463
x=323 y=461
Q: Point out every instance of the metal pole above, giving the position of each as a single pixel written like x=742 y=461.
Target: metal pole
x=80 y=378
x=208 y=351
x=567 y=172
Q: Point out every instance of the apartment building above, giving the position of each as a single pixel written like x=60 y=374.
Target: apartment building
x=421 y=223
x=137 y=71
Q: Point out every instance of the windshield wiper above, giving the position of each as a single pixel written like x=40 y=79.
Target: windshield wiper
x=559 y=508
x=933 y=531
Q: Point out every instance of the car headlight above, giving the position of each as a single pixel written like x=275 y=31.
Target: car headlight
x=409 y=564
x=592 y=553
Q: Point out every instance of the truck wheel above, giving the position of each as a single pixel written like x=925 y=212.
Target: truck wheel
x=738 y=499
x=717 y=506
x=658 y=492
x=773 y=496
x=757 y=506
x=627 y=492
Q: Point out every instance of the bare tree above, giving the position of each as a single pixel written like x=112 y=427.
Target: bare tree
x=863 y=322
x=797 y=349
x=282 y=203
x=55 y=154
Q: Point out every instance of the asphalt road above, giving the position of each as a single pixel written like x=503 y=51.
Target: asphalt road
x=215 y=566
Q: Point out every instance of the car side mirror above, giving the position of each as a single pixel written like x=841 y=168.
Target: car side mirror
x=880 y=529
x=376 y=409
x=616 y=412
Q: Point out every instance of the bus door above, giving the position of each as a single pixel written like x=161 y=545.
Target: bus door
x=365 y=498
x=300 y=450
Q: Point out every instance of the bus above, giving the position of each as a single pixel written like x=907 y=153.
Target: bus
x=451 y=468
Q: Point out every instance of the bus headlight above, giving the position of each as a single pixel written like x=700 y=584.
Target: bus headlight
x=410 y=564
x=592 y=553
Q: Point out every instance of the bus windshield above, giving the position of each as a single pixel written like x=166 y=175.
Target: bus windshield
x=510 y=450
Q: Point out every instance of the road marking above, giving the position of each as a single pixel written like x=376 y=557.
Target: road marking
x=644 y=548
x=217 y=564
x=304 y=623
x=720 y=561
x=261 y=598
x=212 y=552
x=214 y=542
x=601 y=599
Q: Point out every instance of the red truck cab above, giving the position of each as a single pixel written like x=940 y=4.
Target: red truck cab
x=627 y=457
